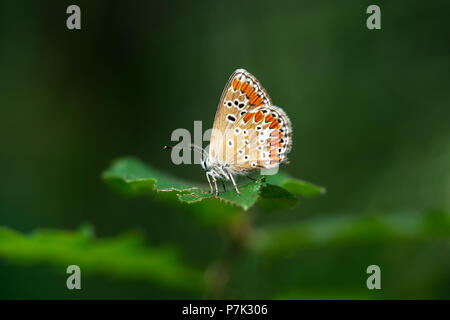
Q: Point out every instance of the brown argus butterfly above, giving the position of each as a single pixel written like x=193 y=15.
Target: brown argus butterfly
x=249 y=133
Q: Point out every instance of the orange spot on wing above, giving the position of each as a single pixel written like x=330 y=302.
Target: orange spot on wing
x=276 y=133
x=253 y=99
x=251 y=93
x=256 y=100
x=244 y=87
x=236 y=84
x=248 y=116
x=269 y=118
x=274 y=124
x=275 y=143
x=259 y=116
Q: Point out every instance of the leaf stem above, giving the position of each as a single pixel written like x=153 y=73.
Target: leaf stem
x=218 y=274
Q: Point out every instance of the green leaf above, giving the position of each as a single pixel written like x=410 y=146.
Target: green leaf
x=132 y=177
x=124 y=256
x=248 y=197
x=351 y=230
x=275 y=197
x=295 y=186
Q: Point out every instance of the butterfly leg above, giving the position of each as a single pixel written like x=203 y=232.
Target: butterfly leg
x=234 y=183
x=223 y=185
x=209 y=181
x=215 y=184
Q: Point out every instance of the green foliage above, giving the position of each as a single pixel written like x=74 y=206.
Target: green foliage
x=248 y=197
x=326 y=295
x=295 y=186
x=124 y=256
x=351 y=230
x=131 y=177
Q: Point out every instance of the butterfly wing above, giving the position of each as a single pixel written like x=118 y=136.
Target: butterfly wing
x=248 y=131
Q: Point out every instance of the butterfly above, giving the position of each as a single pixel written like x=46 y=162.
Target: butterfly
x=249 y=133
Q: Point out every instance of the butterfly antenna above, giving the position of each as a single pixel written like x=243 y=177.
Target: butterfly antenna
x=190 y=146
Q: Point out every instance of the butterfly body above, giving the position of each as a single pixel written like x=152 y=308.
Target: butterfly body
x=249 y=133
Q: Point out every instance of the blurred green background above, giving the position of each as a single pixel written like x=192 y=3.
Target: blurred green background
x=370 y=112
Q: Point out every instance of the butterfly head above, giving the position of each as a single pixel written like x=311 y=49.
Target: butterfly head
x=205 y=163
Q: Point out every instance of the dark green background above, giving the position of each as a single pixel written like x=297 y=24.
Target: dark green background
x=370 y=112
